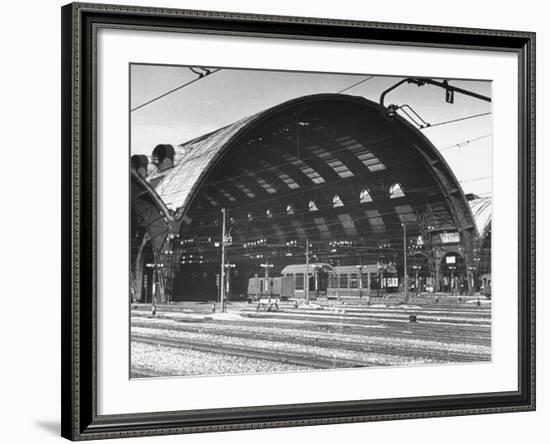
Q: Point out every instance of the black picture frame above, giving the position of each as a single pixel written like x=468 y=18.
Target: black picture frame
x=79 y=170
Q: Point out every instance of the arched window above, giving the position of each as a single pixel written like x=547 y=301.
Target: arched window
x=311 y=206
x=396 y=191
x=365 y=197
x=337 y=202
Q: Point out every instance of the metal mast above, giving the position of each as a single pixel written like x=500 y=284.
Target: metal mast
x=306 y=277
x=405 y=283
x=222 y=272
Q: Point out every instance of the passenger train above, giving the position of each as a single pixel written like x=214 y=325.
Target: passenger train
x=324 y=280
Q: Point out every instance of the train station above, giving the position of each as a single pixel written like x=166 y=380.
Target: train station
x=293 y=221
x=323 y=196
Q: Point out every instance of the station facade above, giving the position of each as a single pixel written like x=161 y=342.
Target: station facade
x=324 y=179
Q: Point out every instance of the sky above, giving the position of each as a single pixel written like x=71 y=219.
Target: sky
x=231 y=94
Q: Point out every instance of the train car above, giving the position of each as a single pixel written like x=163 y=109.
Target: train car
x=486 y=285
x=316 y=283
x=281 y=287
x=362 y=280
x=323 y=280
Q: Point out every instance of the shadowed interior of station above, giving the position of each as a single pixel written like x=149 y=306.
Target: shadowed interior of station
x=331 y=175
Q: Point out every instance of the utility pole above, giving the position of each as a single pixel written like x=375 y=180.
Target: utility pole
x=155 y=275
x=222 y=272
x=306 y=275
x=360 y=270
x=267 y=266
x=405 y=283
x=417 y=283
x=153 y=293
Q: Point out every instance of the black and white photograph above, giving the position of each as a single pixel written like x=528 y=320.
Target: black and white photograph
x=298 y=221
x=275 y=222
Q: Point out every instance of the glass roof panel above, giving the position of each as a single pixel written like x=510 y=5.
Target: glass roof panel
x=376 y=221
x=362 y=153
x=349 y=226
x=228 y=196
x=313 y=175
x=396 y=191
x=284 y=177
x=245 y=190
x=322 y=227
x=311 y=206
x=365 y=196
x=405 y=213
x=327 y=157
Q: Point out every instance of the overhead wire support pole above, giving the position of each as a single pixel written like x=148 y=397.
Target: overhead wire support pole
x=445 y=85
x=267 y=281
x=405 y=280
x=421 y=122
x=306 y=277
x=222 y=272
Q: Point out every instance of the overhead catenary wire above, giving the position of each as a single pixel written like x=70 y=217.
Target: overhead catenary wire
x=460 y=119
x=177 y=88
x=474 y=179
x=466 y=142
x=355 y=84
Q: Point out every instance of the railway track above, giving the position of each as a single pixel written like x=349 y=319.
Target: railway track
x=464 y=314
x=456 y=334
x=481 y=318
x=394 y=317
x=354 y=346
x=295 y=358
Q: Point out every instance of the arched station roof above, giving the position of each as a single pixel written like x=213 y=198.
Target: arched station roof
x=330 y=167
x=481 y=210
x=149 y=213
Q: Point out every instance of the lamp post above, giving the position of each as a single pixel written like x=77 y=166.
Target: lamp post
x=477 y=265
x=316 y=275
x=405 y=283
x=306 y=274
x=417 y=268
x=381 y=268
x=155 y=266
x=226 y=241
x=267 y=266
x=360 y=271
x=228 y=268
